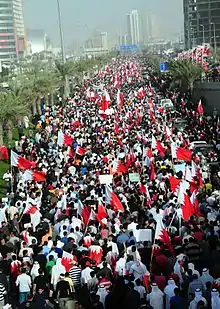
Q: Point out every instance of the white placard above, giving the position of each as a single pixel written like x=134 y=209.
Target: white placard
x=105 y=179
x=143 y=235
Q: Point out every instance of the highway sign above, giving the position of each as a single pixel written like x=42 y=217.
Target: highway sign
x=127 y=48
x=163 y=67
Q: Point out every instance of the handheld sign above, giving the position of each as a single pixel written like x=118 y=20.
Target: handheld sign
x=134 y=177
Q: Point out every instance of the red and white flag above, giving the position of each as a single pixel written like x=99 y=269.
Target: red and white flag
x=117 y=83
x=30 y=175
x=87 y=240
x=141 y=93
x=120 y=99
x=174 y=183
x=200 y=109
x=30 y=209
x=162 y=234
x=88 y=215
x=117 y=167
x=180 y=153
x=67 y=260
x=80 y=151
x=104 y=104
x=101 y=214
x=195 y=204
x=184 y=201
x=112 y=199
x=21 y=162
x=64 y=139
x=95 y=253
x=107 y=96
x=158 y=146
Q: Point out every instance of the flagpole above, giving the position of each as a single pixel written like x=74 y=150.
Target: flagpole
x=174 y=215
x=12 y=180
x=180 y=225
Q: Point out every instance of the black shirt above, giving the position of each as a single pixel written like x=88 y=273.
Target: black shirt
x=63 y=288
x=40 y=282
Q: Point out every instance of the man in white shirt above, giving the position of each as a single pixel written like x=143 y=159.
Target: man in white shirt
x=132 y=226
x=23 y=282
x=7 y=177
x=85 y=275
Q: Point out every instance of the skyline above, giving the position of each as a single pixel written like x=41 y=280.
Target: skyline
x=80 y=19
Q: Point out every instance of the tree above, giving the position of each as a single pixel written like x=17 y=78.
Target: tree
x=36 y=83
x=64 y=71
x=185 y=73
x=12 y=106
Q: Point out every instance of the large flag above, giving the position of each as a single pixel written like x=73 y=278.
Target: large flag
x=162 y=234
x=20 y=162
x=180 y=153
x=30 y=175
x=64 y=139
x=112 y=199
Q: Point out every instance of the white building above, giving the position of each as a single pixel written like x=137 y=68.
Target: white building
x=133 y=27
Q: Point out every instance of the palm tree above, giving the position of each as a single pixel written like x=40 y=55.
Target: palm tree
x=185 y=73
x=12 y=106
x=65 y=70
x=35 y=84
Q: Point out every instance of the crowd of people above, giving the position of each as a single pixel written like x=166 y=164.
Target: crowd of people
x=108 y=205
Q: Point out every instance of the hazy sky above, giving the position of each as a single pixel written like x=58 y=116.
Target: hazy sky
x=81 y=17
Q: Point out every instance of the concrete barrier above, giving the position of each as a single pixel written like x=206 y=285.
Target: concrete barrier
x=209 y=93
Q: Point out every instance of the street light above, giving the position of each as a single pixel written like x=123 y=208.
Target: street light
x=61 y=32
x=203 y=33
x=214 y=31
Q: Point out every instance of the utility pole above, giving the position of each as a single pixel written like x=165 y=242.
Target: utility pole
x=61 y=32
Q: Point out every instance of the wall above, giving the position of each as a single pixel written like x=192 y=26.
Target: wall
x=209 y=93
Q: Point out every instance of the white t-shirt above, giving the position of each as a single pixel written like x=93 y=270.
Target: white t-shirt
x=24 y=283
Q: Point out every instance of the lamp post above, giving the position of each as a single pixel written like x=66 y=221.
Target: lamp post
x=61 y=32
x=214 y=32
x=193 y=37
x=203 y=33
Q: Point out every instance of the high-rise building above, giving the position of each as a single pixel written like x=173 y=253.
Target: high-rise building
x=12 y=31
x=149 y=28
x=104 y=40
x=201 y=22
x=133 y=27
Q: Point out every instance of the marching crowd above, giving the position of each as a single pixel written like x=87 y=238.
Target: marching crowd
x=108 y=205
